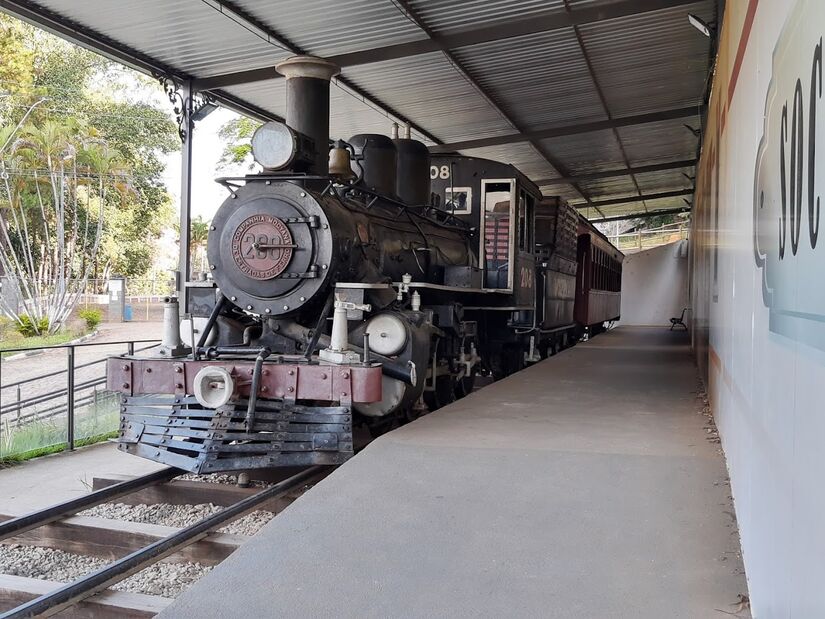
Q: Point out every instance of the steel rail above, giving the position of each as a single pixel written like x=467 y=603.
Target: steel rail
x=69 y=594
x=15 y=526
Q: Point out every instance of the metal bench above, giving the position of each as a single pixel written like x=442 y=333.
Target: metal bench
x=679 y=321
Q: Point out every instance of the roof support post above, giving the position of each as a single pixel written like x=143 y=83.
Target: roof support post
x=186 y=126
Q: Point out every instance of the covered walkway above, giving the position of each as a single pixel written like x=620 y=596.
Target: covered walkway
x=585 y=486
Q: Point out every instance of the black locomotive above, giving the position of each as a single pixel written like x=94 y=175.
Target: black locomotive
x=360 y=283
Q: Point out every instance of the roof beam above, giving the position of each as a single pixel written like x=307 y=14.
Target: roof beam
x=564 y=130
x=670 y=211
x=656 y=167
x=598 y=87
x=242 y=17
x=629 y=200
x=553 y=20
x=65 y=28
x=456 y=63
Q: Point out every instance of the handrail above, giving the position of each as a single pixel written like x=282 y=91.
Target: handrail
x=67 y=399
x=77 y=367
x=78 y=345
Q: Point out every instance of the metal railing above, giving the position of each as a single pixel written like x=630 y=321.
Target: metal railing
x=144 y=295
x=40 y=398
x=651 y=237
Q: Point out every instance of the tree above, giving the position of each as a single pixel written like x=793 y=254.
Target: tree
x=198 y=233
x=79 y=88
x=55 y=179
x=237 y=136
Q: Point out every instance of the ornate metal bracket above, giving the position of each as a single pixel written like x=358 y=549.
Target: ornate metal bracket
x=174 y=91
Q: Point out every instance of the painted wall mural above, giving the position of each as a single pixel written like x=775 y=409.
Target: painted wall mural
x=758 y=291
x=788 y=179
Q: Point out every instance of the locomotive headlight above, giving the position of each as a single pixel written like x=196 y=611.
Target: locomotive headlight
x=214 y=387
x=388 y=335
x=276 y=146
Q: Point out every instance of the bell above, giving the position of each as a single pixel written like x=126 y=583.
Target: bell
x=340 y=165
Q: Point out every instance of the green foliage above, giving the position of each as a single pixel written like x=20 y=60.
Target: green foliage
x=17 y=66
x=30 y=328
x=7 y=325
x=237 y=134
x=38 y=341
x=96 y=422
x=86 y=96
x=91 y=316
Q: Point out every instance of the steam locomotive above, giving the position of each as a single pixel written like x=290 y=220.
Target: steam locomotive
x=360 y=283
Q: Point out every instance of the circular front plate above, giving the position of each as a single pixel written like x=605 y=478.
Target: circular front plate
x=262 y=247
x=270 y=248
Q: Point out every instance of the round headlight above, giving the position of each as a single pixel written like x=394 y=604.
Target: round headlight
x=274 y=145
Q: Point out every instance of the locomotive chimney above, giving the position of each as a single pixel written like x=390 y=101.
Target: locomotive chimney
x=307 y=102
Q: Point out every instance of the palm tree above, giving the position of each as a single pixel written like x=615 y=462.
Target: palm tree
x=198 y=233
x=53 y=266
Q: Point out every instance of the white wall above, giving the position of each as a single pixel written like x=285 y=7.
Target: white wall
x=758 y=292
x=654 y=285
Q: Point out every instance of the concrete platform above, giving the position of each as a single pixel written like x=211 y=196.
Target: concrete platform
x=41 y=482
x=584 y=486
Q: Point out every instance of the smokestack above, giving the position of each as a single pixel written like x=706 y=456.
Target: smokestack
x=307 y=102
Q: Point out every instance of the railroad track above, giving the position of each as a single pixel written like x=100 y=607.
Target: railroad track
x=131 y=546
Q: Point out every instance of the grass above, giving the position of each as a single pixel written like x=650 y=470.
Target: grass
x=53 y=449
x=93 y=423
x=38 y=341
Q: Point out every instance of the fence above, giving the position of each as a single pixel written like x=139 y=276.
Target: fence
x=144 y=297
x=650 y=238
x=58 y=400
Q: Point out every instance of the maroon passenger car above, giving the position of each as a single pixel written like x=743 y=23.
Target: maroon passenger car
x=598 y=279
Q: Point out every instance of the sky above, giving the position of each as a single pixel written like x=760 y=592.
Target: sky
x=207 y=195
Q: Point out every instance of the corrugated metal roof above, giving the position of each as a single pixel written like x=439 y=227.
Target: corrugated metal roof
x=450 y=16
x=668 y=140
x=541 y=79
x=643 y=63
x=186 y=34
x=429 y=87
x=649 y=62
x=326 y=28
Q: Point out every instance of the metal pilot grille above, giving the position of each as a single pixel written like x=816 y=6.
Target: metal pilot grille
x=178 y=432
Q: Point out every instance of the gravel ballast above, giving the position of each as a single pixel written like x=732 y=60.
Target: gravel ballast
x=164 y=579
x=178 y=516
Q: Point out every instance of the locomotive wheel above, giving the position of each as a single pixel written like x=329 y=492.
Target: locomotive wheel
x=381 y=425
x=464 y=386
x=514 y=359
x=443 y=394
